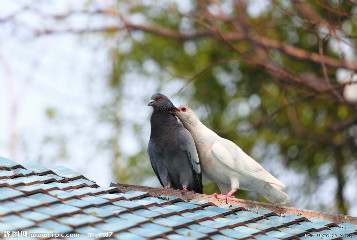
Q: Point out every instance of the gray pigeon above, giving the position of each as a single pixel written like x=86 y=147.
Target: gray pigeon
x=227 y=165
x=171 y=148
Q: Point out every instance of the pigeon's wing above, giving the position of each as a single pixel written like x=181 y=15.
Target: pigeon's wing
x=154 y=161
x=188 y=145
x=233 y=157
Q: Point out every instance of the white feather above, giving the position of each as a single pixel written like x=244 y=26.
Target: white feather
x=228 y=165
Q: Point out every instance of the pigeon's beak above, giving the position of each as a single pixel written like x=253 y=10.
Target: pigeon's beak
x=151 y=102
x=175 y=110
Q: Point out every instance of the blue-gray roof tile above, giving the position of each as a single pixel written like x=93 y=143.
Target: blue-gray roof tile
x=6 y=163
x=36 y=168
x=35 y=216
x=59 y=200
x=17 y=221
x=279 y=234
x=133 y=218
x=190 y=233
x=56 y=227
x=79 y=220
x=129 y=236
x=98 y=212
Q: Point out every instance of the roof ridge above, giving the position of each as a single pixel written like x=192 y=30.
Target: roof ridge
x=248 y=204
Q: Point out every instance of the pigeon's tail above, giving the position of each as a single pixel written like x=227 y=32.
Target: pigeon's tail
x=274 y=194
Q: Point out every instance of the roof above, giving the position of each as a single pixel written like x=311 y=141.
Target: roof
x=35 y=200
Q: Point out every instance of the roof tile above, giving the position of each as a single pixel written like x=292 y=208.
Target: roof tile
x=156 y=200
x=6 y=193
x=307 y=226
x=65 y=172
x=338 y=230
x=295 y=217
x=6 y=163
x=162 y=211
x=23 y=171
x=203 y=229
x=88 y=229
x=171 y=199
x=5 y=174
x=249 y=215
x=28 y=202
x=7 y=227
x=115 y=227
x=261 y=227
x=201 y=215
x=128 y=236
x=45 y=198
x=20 y=223
x=191 y=233
x=281 y=235
x=322 y=222
x=115 y=209
x=265 y=237
x=169 y=223
x=99 y=212
x=36 y=168
x=187 y=205
x=348 y=226
x=56 y=227
x=63 y=201
x=247 y=230
x=35 y=216
x=96 y=200
x=202 y=203
x=79 y=220
x=218 y=210
x=293 y=231
x=235 y=234
x=151 y=226
x=13 y=206
x=147 y=213
x=264 y=212
x=234 y=208
x=220 y=237
x=134 y=218
x=145 y=233
x=79 y=203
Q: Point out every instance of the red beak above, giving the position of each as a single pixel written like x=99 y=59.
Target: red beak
x=174 y=111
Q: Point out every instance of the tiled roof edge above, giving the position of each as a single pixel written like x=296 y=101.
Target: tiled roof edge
x=279 y=210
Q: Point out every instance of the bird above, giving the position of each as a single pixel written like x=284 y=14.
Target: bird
x=171 y=148
x=223 y=162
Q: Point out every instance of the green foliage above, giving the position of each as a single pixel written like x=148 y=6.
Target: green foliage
x=237 y=93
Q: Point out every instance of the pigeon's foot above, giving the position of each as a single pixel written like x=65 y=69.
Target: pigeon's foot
x=226 y=196
x=168 y=188
x=186 y=190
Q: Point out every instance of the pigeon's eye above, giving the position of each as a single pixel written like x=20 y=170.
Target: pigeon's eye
x=183 y=109
x=159 y=98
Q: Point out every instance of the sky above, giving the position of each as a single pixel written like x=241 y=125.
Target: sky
x=41 y=76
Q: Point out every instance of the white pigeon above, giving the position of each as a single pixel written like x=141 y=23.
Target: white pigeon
x=227 y=165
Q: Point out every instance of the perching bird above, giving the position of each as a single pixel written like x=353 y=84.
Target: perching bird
x=171 y=148
x=226 y=164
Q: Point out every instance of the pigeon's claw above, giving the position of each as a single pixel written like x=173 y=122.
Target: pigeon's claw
x=186 y=190
x=168 y=188
x=230 y=195
x=226 y=196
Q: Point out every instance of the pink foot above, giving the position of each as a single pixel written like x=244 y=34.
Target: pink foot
x=168 y=188
x=227 y=196
x=186 y=190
